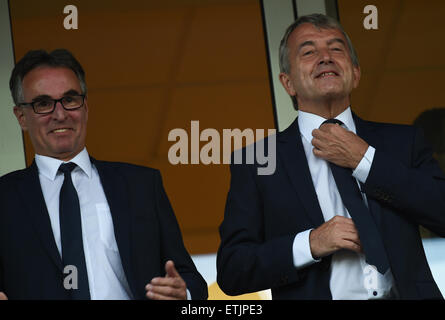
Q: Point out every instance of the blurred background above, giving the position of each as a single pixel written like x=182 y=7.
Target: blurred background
x=153 y=66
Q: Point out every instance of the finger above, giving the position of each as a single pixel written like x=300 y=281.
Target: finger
x=341 y=220
x=349 y=226
x=164 y=291
x=156 y=296
x=319 y=148
x=318 y=133
x=3 y=296
x=328 y=127
x=317 y=143
x=347 y=230
x=325 y=127
x=167 y=282
x=318 y=153
x=350 y=245
x=351 y=236
x=170 y=269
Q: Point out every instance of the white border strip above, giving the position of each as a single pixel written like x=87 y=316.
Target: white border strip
x=12 y=153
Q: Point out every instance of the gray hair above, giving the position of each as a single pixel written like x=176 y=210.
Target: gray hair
x=321 y=22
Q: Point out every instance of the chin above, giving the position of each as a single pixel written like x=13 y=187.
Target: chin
x=332 y=93
x=64 y=151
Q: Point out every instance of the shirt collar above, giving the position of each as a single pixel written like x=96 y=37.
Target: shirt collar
x=49 y=166
x=307 y=122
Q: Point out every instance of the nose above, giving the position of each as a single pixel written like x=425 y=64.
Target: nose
x=325 y=56
x=59 y=112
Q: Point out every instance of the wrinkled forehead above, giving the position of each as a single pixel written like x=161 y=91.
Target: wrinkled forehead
x=308 y=32
x=50 y=81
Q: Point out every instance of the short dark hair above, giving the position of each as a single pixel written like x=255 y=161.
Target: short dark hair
x=37 y=58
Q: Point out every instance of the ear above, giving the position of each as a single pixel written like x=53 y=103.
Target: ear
x=287 y=83
x=21 y=117
x=357 y=75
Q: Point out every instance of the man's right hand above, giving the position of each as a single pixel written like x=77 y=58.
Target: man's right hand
x=3 y=296
x=333 y=235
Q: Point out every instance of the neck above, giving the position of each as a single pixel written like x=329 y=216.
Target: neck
x=327 y=109
x=65 y=157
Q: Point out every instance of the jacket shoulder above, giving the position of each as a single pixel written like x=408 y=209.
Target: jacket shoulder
x=393 y=130
x=389 y=126
x=12 y=176
x=126 y=168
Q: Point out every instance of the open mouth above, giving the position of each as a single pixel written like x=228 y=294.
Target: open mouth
x=327 y=74
x=60 y=130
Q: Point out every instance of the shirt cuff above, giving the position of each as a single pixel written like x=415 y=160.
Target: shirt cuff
x=301 y=250
x=362 y=171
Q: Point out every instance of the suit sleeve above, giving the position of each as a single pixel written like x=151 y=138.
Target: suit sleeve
x=416 y=191
x=246 y=262
x=172 y=246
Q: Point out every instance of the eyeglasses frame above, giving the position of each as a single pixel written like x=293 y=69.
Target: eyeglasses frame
x=54 y=104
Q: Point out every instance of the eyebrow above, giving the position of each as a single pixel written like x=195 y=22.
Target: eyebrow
x=71 y=92
x=329 y=42
x=306 y=43
x=339 y=40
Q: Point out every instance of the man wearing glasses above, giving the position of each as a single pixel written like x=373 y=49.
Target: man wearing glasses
x=72 y=227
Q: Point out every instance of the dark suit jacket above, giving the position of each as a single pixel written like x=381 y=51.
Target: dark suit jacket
x=145 y=227
x=405 y=188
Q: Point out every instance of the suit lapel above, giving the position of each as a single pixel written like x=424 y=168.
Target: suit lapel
x=291 y=152
x=115 y=190
x=367 y=132
x=31 y=193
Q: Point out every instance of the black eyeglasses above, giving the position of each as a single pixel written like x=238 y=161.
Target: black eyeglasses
x=48 y=105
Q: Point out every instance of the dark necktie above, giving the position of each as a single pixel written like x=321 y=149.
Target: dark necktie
x=71 y=233
x=370 y=237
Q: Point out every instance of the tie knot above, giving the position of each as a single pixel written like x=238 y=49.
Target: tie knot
x=67 y=167
x=332 y=121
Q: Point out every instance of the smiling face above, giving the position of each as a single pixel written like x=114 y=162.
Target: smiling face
x=60 y=134
x=320 y=66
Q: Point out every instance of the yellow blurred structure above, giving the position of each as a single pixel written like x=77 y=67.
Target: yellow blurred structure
x=215 y=293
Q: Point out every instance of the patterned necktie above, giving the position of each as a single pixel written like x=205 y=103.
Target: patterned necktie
x=350 y=194
x=71 y=235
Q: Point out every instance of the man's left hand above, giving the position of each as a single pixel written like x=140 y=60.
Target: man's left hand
x=170 y=287
x=335 y=144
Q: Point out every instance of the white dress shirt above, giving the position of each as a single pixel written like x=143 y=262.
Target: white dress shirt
x=106 y=276
x=351 y=277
